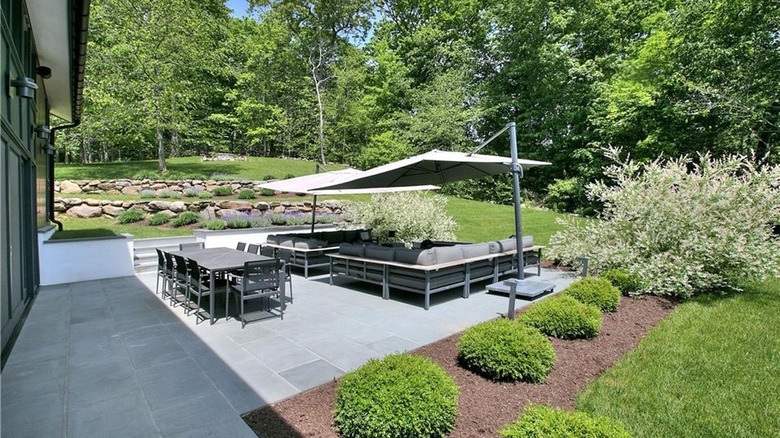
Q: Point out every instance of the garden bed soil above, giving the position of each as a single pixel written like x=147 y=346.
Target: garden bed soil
x=485 y=407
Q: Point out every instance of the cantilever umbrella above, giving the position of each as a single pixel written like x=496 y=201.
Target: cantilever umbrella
x=438 y=167
x=309 y=184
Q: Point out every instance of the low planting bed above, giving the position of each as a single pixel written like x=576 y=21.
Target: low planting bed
x=485 y=407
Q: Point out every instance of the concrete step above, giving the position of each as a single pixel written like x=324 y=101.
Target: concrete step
x=145 y=256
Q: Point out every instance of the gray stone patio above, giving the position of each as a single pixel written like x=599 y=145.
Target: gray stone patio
x=110 y=358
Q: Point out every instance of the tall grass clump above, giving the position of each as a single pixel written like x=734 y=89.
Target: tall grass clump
x=413 y=216
x=130 y=216
x=237 y=220
x=222 y=191
x=185 y=218
x=685 y=225
x=538 y=421
x=246 y=194
x=260 y=221
x=159 y=219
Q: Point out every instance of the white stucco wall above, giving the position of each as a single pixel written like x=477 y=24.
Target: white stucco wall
x=67 y=261
x=229 y=238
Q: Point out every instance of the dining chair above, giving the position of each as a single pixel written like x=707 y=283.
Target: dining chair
x=162 y=272
x=241 y=246
x=286 y=255
x=170 y=272
x=253 y=248
x=199 y=285
x=191 y=246
x=180 y=293
x=261 y=279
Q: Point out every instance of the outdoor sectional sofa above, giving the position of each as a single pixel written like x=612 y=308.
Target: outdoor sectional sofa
x=310 y=249
x=432 y=270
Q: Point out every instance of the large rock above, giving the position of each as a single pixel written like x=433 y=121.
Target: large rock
x=92 y=202
x=112 y=211
x=85 y=211
x=70 y=202
x=208 y=213
x=279 y=209
x=262 y=206
x=178 y=207
x=225 y=212
x=106 y=186
x=235 y=205
x=69 y=187
x=131 y=190
x=159 y=186
x=159 y=205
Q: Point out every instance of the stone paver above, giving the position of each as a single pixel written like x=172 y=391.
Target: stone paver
x=111 y=358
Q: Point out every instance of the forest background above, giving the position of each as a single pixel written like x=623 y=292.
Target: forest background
x=367 y=82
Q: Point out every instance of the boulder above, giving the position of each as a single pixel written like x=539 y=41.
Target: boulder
x=59 y=207
x=208 y=213
x=70 y=202
x=112 y=211
x=178 y=207
x=131 y=190
x=262 y=206
x=114 y=192
x=167 y=213
x=92 y=202
x=122 y=183
x=106 y=186
x=117 y=203
x=69 y=187
x=127 y=204
x=235 y=205
x=225 y=212
x=158 y=186
x=279 y=209
x=159 y=205
x=85 y=211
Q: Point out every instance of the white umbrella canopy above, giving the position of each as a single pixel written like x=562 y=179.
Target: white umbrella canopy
x=309 y=184
x=434 y=167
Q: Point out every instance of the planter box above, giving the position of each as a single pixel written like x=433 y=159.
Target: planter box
x=72 y=260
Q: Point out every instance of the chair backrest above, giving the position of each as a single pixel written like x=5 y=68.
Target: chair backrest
x=261 y=275
x=268 y=251
x=181 y=265
x=285 y=255
x=168 y=261
x=191 y=246
x=241 y=246
x=160 y=259
x=252 y=248
x=194 y=271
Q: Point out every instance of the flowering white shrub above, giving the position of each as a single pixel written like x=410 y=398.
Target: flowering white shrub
x=413 y=216
x=685 y=226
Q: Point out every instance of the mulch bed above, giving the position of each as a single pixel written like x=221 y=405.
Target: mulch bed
x=485 y=407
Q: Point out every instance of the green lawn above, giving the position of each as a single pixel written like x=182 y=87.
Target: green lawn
x=254 y=168
x=98 y=227
x=710 y=369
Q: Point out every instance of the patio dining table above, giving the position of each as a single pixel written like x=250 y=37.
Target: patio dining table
x=217 y=260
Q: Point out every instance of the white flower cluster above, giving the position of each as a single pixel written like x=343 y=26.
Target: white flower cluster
x=686 y=226
x=411 y=215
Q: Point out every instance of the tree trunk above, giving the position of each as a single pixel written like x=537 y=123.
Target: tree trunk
x=160 y=151
x=317 y=84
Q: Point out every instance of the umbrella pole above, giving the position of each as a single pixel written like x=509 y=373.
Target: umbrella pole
x=313 y=213
x=516 y=174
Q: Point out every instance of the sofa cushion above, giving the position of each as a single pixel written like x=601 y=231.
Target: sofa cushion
x=308 y=243
x=528 y=241
x=332 y=237
x=352 y=249
x=446 y=254
x=287 y=241
x=475 y=250
x=380 y=252
x=272 y=238
x=415 y=256
x=350 y=236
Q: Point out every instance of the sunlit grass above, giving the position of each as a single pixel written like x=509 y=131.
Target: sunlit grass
x=104 y=226
x=710 y=369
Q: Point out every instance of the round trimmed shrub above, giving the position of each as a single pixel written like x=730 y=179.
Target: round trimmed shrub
x=260 y=221
x=130 y=216
x=595 y=291
x=505 y=350
x=267 y=192
x=186 y=218
x=204 y=195
x=538 y=421
x=626 y=282
x=402 y=395
x=222 y=191
x=246 y=194
x=159 y=219
x=564 y=317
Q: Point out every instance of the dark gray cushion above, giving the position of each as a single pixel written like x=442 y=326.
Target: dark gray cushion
x=350 y=236
x=308 y=243
x=380 y=253
x=404 y=255
x=287 y=241
x=272 y=238
x=333 y=236
x=528 y=241
x=475 y=250
x=351 y=249
x=446 y=254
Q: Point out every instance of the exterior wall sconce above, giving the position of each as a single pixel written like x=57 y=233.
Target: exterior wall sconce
x=25 y=87
x=48 y=149
x=43 y=132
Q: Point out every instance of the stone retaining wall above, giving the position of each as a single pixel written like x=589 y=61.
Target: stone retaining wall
x=208 y=208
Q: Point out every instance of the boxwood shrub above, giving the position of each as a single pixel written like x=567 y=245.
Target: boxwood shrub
x=246 y=194
x=185 y=218
x=538 y=421
x=130 y=216
x=222 y=191
x=595 y=291
x=214 y=224
x=564 y=317
x=626 y=282
x=402 y=395
x=505 y=350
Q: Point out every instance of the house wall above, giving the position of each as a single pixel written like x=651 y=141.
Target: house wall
x=22 y=170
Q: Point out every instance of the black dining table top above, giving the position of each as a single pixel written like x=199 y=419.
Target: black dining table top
x=220 y=259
